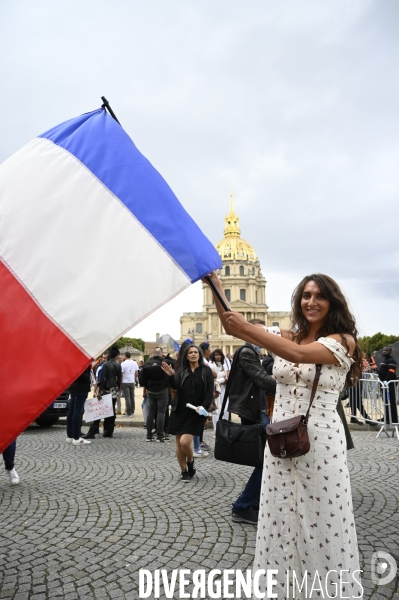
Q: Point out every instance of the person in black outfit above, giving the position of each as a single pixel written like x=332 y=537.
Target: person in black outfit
x=171 y=361
x=193 y=383
x=79 y=391
x=248 y=381
x=387 y=372
x=9 y=457
x=154 y=379
x=110 y=383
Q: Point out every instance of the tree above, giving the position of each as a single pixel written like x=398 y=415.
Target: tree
x=370 y=344
x=127 y=341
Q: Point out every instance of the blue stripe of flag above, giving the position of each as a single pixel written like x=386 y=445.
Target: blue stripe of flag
x=102 y=145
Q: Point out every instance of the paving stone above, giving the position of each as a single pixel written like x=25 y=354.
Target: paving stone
x=82 y=525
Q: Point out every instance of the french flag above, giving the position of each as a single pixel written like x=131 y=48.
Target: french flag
x=92 y=240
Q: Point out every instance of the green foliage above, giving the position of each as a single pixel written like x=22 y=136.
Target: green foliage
x=370 y=344
x=127 y=341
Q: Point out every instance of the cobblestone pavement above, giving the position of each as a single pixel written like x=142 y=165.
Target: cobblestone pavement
x=83 y=521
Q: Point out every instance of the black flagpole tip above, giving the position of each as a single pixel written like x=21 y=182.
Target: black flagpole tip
x=107 y=106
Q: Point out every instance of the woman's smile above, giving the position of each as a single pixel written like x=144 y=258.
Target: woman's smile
x=314 y=304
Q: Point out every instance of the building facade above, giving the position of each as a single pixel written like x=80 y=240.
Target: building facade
x=135 y=353
x=245 y=289
x=165 y=342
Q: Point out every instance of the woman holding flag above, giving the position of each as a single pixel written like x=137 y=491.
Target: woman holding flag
x=306 y=524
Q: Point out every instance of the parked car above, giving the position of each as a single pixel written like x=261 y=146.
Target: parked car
x=57 y=409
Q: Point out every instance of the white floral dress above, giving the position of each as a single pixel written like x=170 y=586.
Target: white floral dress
x=306 y=520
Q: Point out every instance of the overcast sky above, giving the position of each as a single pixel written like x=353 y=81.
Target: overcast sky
x=293 y=106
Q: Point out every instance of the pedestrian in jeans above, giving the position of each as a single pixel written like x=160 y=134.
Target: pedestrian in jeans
x=249 y=385
x=129 y=375
x=9 y=457
x=156 y=384
x=79 y=391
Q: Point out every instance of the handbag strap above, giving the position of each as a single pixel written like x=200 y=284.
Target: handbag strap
x=314 y=388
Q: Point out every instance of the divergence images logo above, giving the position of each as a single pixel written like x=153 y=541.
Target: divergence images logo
x=383 y=568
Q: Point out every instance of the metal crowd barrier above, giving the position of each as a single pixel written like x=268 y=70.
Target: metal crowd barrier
x=369 y=402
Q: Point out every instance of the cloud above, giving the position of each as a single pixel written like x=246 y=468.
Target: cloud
x=292 y=106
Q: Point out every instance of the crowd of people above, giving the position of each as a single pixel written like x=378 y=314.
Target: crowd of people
x=118 y=375
x=293 y=500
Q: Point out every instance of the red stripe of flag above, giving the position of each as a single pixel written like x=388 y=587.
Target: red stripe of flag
x=38 y=361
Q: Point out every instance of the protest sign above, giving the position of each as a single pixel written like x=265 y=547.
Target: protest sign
x=98 y=409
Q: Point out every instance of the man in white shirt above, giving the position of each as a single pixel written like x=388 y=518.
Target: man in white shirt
x=129 y=375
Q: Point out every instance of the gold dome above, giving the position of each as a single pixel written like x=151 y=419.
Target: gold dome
x=232 y=247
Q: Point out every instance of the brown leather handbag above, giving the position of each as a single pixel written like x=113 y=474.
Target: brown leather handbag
x=290 y=438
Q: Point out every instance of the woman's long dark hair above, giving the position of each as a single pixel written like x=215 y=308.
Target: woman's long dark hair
x=339 y=319
x=184 y=361
x=180 y=354
x=217 y=351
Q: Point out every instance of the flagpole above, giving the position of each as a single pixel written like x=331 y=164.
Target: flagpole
x=217 y=293
x=107 y=106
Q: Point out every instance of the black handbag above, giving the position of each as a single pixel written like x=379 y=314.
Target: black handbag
x=236 y=443
x=240 y=444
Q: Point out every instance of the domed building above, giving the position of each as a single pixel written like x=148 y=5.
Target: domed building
x=245 y=289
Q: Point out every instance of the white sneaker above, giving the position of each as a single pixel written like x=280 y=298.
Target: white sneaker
x=14 y=477
x=200 y=454
x=69 y=439
x=80 y=441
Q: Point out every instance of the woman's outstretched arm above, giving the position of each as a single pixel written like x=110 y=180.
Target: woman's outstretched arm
x=235 y=324
x=312 y=353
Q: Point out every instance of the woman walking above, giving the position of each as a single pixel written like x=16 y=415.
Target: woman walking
x=193 y=383
x=306 y=523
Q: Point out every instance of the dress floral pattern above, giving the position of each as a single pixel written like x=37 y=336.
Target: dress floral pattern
x=306 y=520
